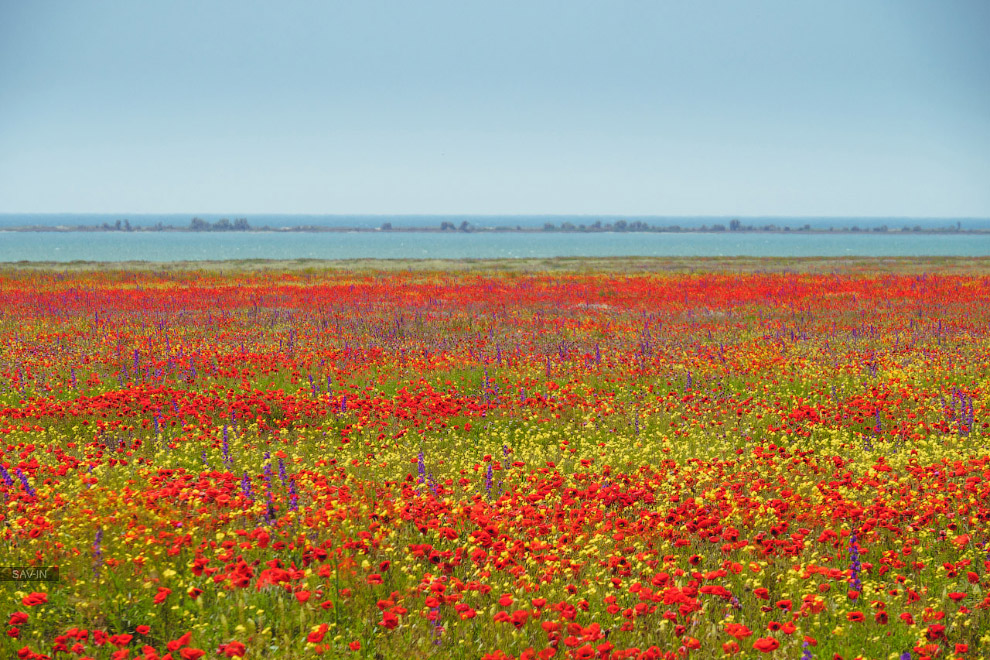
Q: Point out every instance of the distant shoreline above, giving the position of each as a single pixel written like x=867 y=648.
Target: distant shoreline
x=241 y=226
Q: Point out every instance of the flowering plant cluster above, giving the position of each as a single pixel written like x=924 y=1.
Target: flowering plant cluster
x=495 y=465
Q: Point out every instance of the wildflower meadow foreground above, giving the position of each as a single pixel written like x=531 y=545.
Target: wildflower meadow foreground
x=408 y=464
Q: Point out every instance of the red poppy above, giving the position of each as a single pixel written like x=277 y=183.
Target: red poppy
x=738 y=630
x=234 y=649
x=176 y=644
x=766 y=644
x=34 y=599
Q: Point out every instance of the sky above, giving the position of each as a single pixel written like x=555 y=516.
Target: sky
x=839 y=108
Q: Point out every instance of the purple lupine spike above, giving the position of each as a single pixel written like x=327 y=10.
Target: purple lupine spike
x=226 y=447
x=421 y=467
x=97 y=551
x=7 y=479
x=489 y=479
x=343 y=404
x=293 y=495
x=855 y=566
x=246 y=486
x=281 y=471
x=312 y=385
x=24 y=482
x=267 y=478
x=437 y=626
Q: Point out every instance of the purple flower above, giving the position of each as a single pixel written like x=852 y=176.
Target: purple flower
x=246 y=486
x=226 y=447
x=97 y=551
x=489 y=479
x=293 y=496
x=855 y=566
x=24 y=482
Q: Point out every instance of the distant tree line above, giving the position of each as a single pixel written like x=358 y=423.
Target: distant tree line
x=223 y=224
x=120 y=225
x=735 y=225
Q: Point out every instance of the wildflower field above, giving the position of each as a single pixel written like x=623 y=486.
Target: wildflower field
x=673 y=463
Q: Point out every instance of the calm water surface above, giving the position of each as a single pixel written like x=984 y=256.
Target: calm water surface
x=163 y=247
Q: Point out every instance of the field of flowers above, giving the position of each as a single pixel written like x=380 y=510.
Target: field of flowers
x=494 y=464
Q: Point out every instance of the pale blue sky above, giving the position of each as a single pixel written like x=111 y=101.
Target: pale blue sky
x=666 y=108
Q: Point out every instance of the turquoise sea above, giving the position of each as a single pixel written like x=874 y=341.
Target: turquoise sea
x=182 y=246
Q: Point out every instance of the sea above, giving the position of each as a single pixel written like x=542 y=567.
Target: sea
x=277 y=243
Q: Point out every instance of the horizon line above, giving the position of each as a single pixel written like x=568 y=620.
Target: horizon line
x=502 y=215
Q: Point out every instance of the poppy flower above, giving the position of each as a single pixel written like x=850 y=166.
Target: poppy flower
x=176 y=644
x=234 y=649
x=738 y=630
x=34 y=599
x=586 y=652
x=766 y=644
